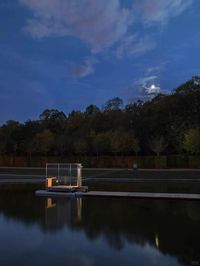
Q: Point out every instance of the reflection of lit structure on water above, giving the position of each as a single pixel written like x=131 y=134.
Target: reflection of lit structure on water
x=50 y=203
x=79 y=208
x=157 y=240
x=61 y=212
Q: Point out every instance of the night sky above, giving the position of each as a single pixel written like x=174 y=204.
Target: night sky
x=67 y=54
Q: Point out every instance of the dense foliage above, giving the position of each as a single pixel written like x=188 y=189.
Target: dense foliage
x=166 y=124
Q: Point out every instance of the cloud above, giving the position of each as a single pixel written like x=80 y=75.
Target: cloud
x=143 y=83
x=148 y=85
x=134 y=45
x=157 y=69
x=83 y=70
x=99 y=24
x=161 y=11
x=144 y=80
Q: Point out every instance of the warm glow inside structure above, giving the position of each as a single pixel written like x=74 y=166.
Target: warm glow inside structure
x=66 y=174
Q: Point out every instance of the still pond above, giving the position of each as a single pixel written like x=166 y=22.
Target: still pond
x=99 y=231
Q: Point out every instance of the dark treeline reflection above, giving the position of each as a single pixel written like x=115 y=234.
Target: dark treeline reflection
x=165 y=124
x=170 y=226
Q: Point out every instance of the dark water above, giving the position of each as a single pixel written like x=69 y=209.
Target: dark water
x=144 y=186
x=93 y=231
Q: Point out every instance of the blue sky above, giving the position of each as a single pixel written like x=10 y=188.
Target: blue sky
x=67 y=54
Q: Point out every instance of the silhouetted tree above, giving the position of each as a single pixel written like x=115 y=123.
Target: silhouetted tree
x=165 y=124
x=43 y=142
x=52 y=114
x=113 y=104
x=157 y=145
x=191 y=142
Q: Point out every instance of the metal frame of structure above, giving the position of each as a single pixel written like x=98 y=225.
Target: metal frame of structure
x=67 y=173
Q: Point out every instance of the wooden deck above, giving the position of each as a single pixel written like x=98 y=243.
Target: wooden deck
x=107 y=194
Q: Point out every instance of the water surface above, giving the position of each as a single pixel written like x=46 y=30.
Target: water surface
x=96 y=231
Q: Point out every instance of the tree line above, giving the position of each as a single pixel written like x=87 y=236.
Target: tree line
x=165 y=124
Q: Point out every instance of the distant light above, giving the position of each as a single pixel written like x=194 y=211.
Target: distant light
x=157 y=240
